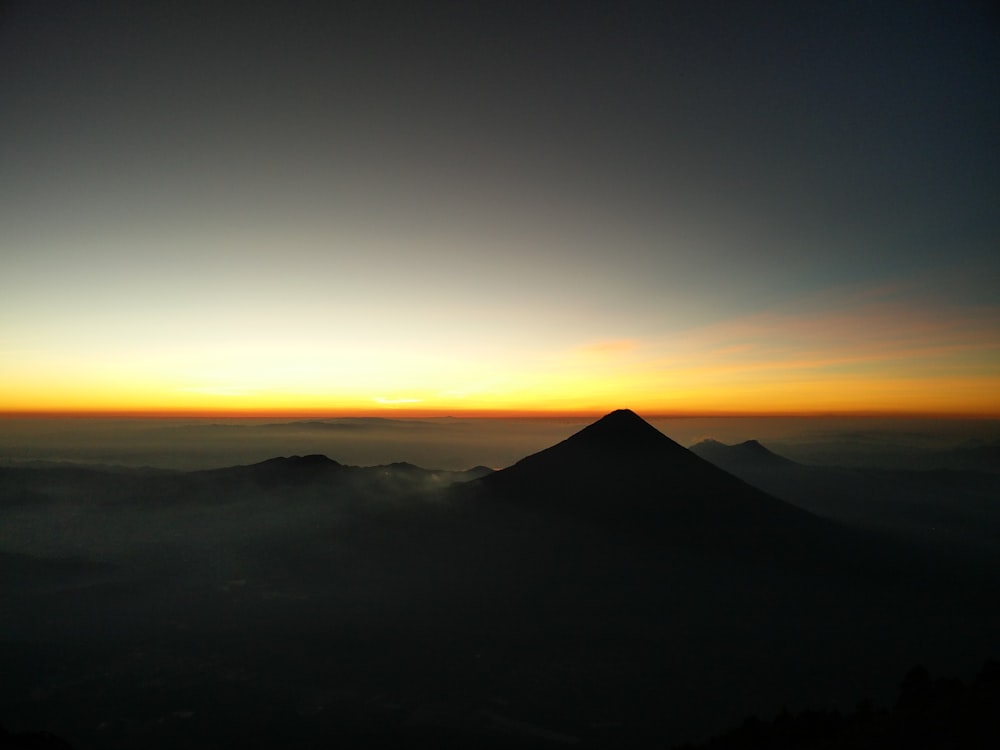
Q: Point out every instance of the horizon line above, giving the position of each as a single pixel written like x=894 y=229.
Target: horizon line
x=414 y=413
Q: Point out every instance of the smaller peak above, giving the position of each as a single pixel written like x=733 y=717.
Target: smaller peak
x=284 y=468
x=753 y=450
x=754 y=446
x=476 y=472
x=313 y=460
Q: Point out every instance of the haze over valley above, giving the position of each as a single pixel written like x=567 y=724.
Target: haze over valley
x=456 y=443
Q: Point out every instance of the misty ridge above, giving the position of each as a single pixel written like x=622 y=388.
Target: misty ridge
x=612 y=589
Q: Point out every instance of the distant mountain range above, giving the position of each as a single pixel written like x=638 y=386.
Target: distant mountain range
x=747 y=454
x=944 y=507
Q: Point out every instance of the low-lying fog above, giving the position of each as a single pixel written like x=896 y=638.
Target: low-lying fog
x=460 y=443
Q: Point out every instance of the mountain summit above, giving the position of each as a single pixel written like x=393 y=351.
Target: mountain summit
x=619 y=440
x=620 y=429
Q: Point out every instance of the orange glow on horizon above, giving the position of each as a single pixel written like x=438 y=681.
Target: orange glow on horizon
x=873 y=360
x=717 y=389
x=793 y=407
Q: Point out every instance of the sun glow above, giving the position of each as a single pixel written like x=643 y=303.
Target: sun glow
x=561 y=385
x=866 y=352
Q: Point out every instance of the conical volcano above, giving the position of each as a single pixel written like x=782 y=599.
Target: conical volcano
x=620 y=446
x=622 y=429
x=623 y=472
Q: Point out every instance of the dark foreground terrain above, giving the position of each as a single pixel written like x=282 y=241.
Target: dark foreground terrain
x=613 y=590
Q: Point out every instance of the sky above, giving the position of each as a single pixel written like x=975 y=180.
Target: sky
x=477 y=208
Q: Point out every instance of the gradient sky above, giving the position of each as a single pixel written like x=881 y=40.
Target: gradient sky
x=693 y=207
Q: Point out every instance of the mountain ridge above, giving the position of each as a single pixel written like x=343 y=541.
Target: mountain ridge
x=747 y=453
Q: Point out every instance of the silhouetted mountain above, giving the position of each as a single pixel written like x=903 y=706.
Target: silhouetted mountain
x=623 y=472
x=285 y=478
x=747 y=454
x=282 y=470
x=475 y=472
x=940 y=506
x=318 y=475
